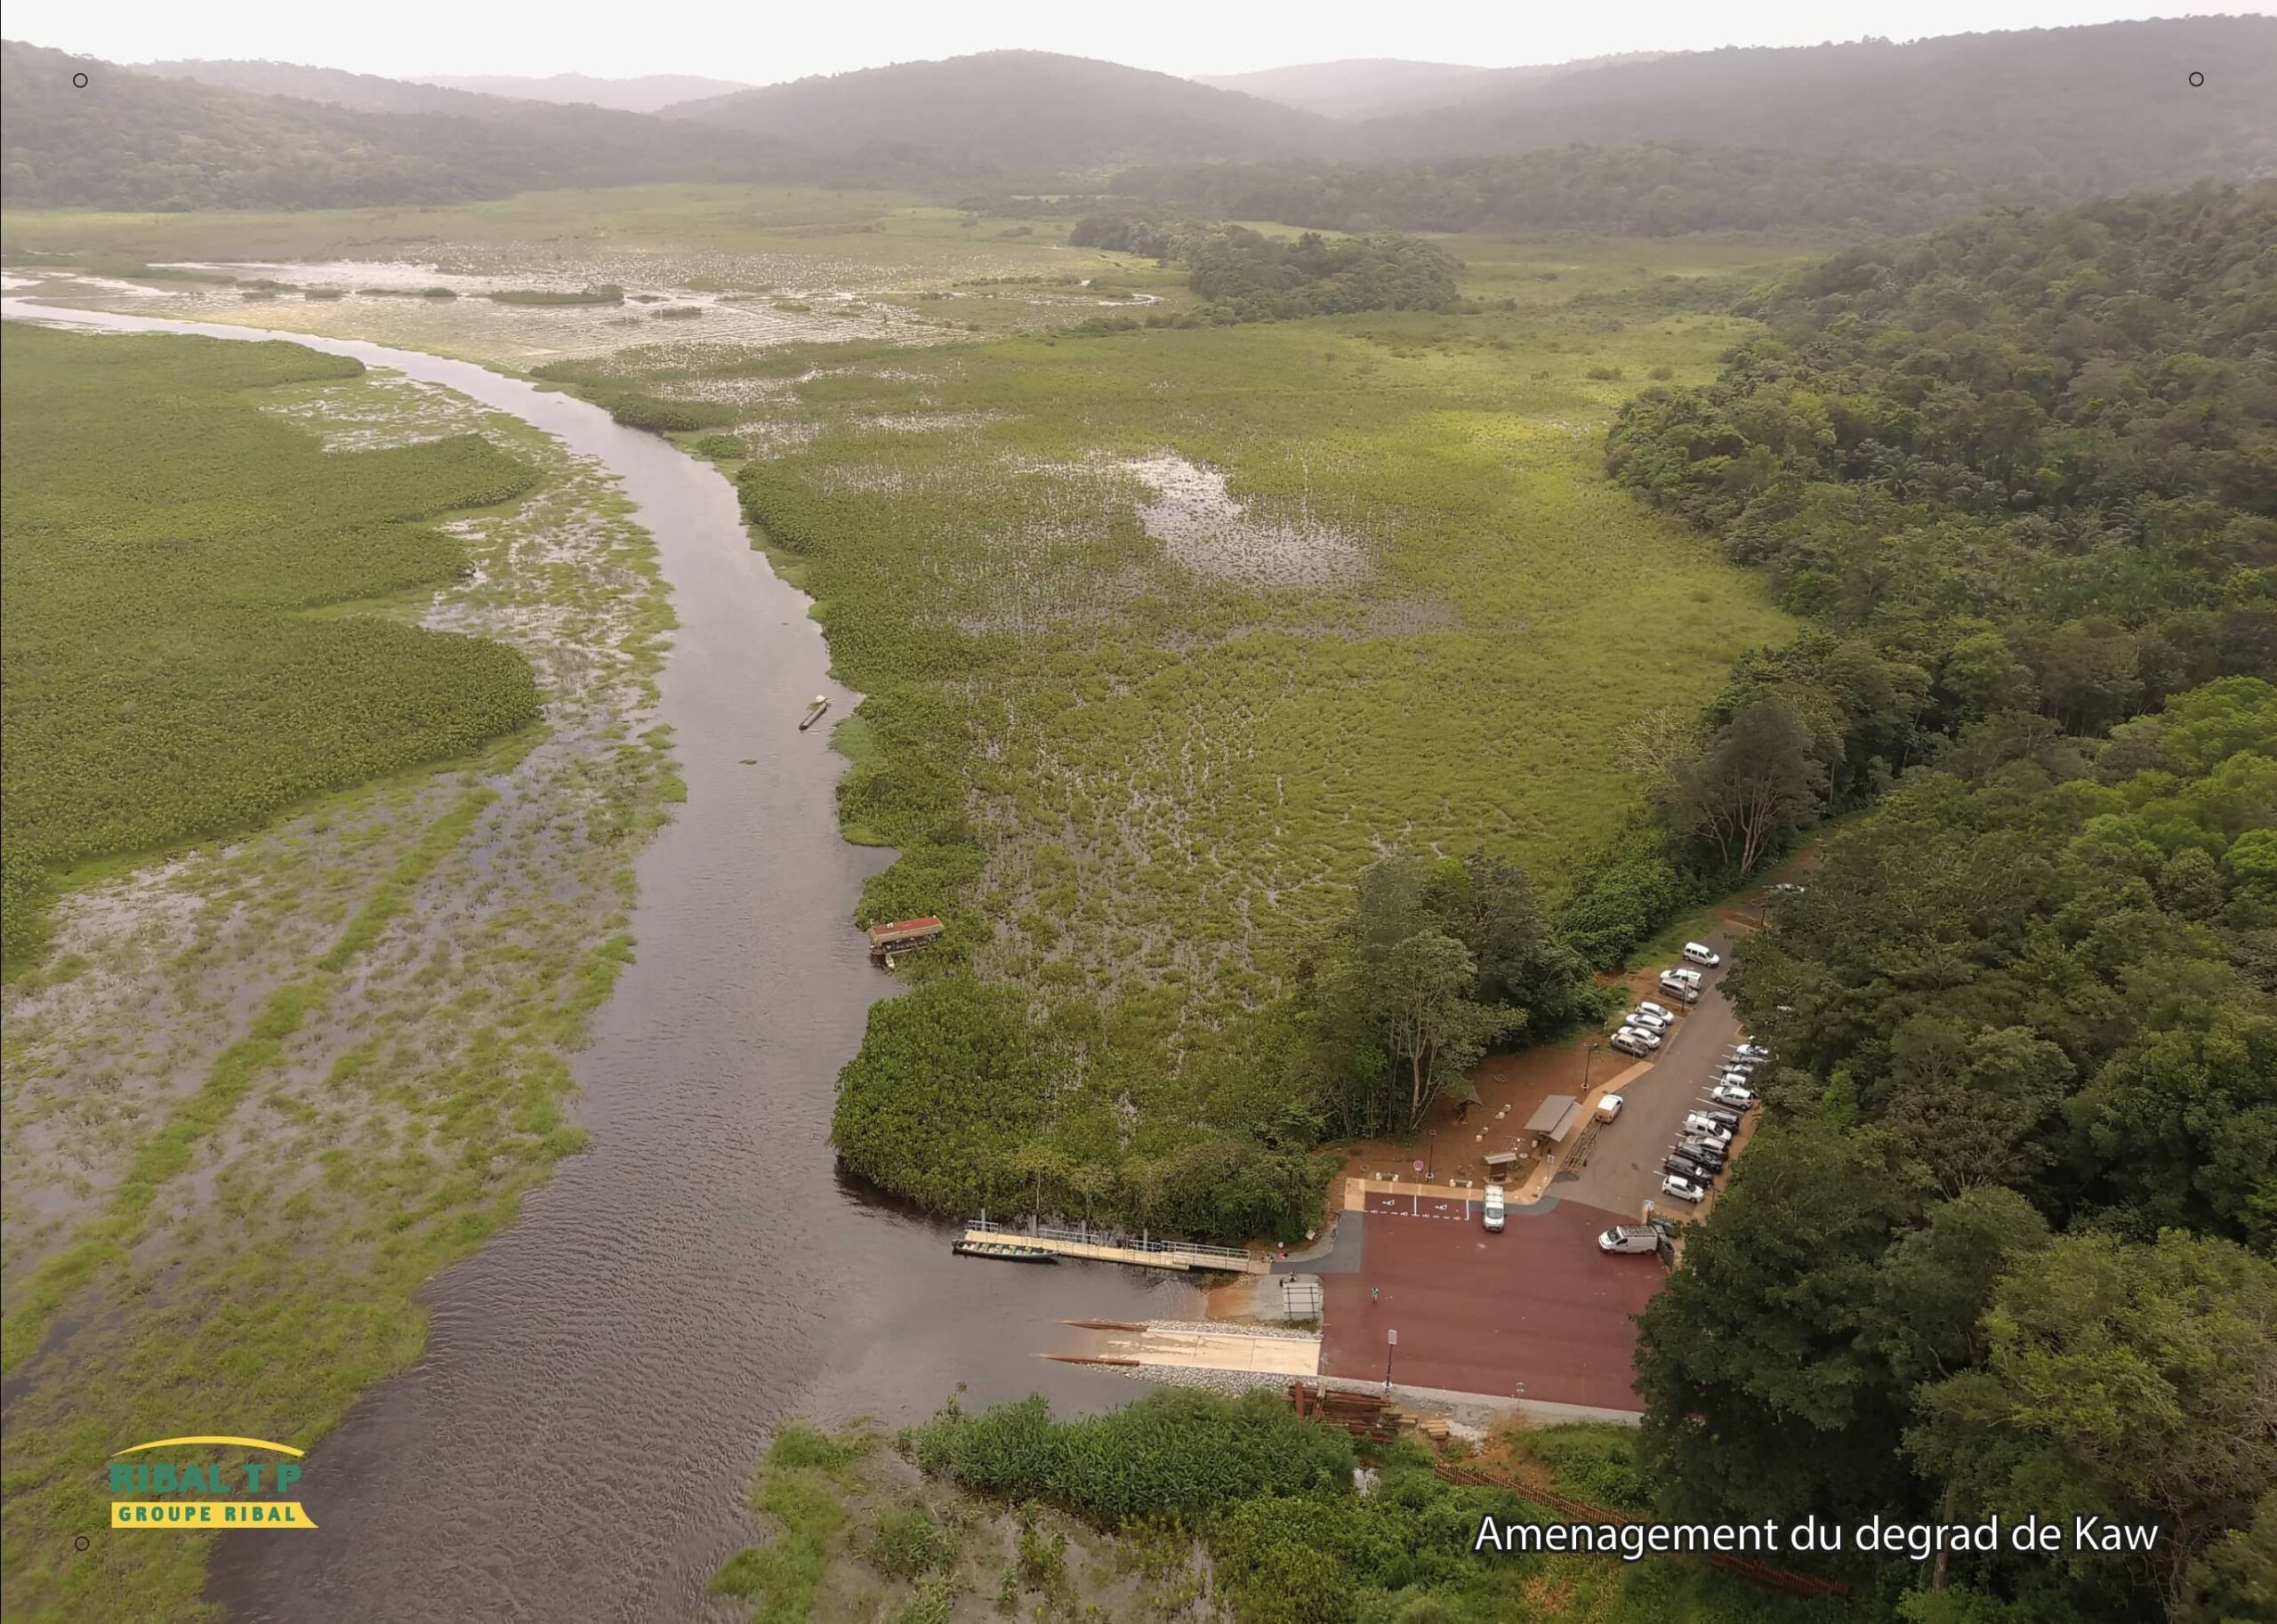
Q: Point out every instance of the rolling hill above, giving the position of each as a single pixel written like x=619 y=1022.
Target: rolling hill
x=649 y=93
x=145 y=141
x=363 y=91
x=1027 y=111
x=2098 y=109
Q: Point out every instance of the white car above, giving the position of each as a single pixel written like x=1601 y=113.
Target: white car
x=1707 y=1127
x=1752 y=1051
x=1682 y=1188
x=1628 y=1040
x=1608 y=1107
x=1665 y=1016
x=1699 y=953
x=1652 y=1016
x=1643 y=1034
x=1730 y=1093
x=1492 y=1214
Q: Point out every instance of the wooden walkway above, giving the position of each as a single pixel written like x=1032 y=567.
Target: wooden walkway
x=1146 y=1254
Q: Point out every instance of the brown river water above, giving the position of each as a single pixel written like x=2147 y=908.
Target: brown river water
x=600 y=1379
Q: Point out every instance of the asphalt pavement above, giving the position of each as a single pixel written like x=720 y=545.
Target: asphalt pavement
x=1624 y=1165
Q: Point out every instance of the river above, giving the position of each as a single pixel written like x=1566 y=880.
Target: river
x=600 y=1379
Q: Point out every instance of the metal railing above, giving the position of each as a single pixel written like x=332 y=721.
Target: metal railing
x=1085 y=1235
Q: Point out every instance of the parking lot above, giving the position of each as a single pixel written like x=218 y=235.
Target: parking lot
x=1537 y=1311
x=1624 y=1162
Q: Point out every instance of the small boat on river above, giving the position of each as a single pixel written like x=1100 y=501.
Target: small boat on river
x=1004 y=1251
x=814 y=711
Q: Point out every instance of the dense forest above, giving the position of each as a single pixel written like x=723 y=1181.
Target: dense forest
x=2004 y=1244
x=2021 y=471
x=1244 y=275
x=2099 y=109
x=1643 y=192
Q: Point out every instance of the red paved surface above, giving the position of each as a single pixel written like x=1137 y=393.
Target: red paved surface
x=1479 y=1313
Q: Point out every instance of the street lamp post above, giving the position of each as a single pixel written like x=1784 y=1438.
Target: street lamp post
x=1588 y=1058
x=1431 y=1154
x=1391 y=1341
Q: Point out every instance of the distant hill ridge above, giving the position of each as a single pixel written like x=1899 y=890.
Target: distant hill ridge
x=648 y=93
x=363 y=91
x=2102 y=107
x=1029 y=110
x=2038 y=114
x=133 y=140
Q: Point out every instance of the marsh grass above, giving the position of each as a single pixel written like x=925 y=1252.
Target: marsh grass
x=296 y=1074
x=1167 y=634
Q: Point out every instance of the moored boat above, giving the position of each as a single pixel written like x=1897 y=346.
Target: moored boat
x=1003 y=1252
x=820 y=703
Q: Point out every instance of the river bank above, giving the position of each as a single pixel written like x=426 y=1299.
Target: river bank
x=606 y=1368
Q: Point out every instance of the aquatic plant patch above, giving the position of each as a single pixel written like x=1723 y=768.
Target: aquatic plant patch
x=163 y=538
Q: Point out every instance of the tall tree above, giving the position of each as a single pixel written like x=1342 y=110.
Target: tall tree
x=2124 y=1380
x=1755 y=782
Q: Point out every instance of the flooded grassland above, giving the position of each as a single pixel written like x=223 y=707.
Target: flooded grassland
x=353 y=1027
x=748 y=266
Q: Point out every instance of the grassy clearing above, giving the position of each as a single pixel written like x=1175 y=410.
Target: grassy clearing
x=1167 y=634
x=1169 y=771
x=163 y=536
x=263 y=1090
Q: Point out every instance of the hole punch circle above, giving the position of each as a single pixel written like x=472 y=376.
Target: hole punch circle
x=2197 y=79
x=78 y=81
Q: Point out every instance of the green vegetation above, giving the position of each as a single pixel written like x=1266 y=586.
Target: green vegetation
x=2044 y=522
x=259 y=1093
x=1246 y=275
x=1185 y=1506
x=796 y=1488
x=1650 y=190
x=2037 y=987
x=163 y=681
x=1139 y=772
x=2004 y=1244
x=1437 y=963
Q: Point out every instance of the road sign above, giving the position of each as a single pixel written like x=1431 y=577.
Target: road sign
x=1419 y=1167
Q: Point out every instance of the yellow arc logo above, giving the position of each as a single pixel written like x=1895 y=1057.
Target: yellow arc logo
x=206 y=1494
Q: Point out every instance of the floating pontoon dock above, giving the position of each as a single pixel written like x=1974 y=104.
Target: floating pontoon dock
x=1140 y=1250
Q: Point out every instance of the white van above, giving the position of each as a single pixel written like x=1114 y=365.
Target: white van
x=1707 y=1127
x=1630 y=1238
x=1494 y=1215
x=1699 y=953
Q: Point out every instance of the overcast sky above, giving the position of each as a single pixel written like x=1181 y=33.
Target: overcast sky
x=763 y=44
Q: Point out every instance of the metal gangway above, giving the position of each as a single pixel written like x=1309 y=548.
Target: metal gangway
x=1113 y=1246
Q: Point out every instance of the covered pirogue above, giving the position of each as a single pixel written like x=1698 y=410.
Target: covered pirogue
x=889 y=942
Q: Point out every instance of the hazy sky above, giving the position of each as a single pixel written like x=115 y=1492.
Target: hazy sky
x=763 y=44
